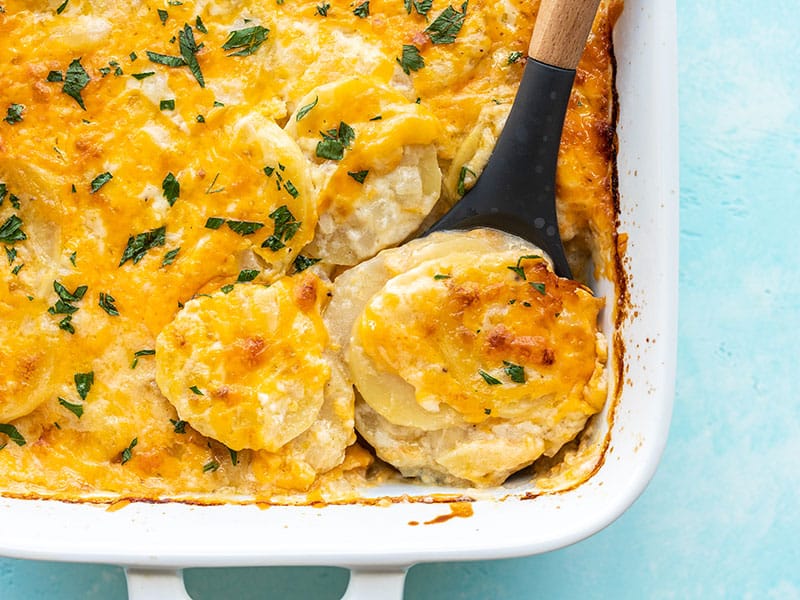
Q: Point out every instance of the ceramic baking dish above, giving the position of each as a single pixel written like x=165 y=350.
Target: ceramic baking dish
x=154 y=541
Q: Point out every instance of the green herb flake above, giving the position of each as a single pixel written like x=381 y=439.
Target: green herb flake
x=488 y=378
x=447 y=25
x=518 y=267
x=334 y=142
x=17 y=269
x=246 y=275
x=200 y=119
x=72 y=258
x=167 y=104
x=128 y=452
x=246 y=41
x=75 y=81
x=13 y=434
x=100 y=181
x=107 y=304
x=304 y=110
x=243 y=227
x=301 y=263
x=62 y=7
x=410 y=60
x=3 y=192
x=165 y=59
x=11 y=254
x=513 y=57
x=83 y=383
x=362 y=10
x=227 y=288
x=539 y=287
x=133 y=56
x=14 y=114
x=234 y=456
x=189 y=49
x=178 y=425
x=515 y=372
x=139 y=244
x=214 y=222
x=171 y=188
x=423 y=7
x=76 y=409
x=139 y=353
x=210 y=466
x=359 y=176
x=163 y=16
x=67 y=296
x=268 y=171
x=199 y=25
x=322 y=9
x=11 y=230
x=440 y=276
x=196 y=390
x=144 y=75
x=169 y=257
x=462 y=177
x=290 y=189
x=65 y=324
x=286 y=227
x=210 y=189
x=487 y=411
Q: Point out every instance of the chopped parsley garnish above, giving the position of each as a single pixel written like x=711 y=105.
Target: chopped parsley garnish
x=3 y=192
x=13 y=434
x=227 y=288
x=244 y=227
x=133 y=56
x=11 y=230
x=362 y=10
x=76 y=80
x=189 y=50
x=11 y=254
x=304 y=110
x=144 y=75
x=214 y=222
x=334 y=141
x=166 y=59
x=301 y=263
x=140 y=353
x=359 y=176
x=196 y=390
x=76 y=409
x=83 y=383
x=128 y=452
x=322 y=9
x=169 y=257
x=447 y=25
x=515 y=372
x=487 y=411
x=100 y=181
x=167 y=104
x=290 y=189
x=163 y=16
x=72 y=258
x=200 y=119
x=410 y=60
x=440 y=276
x=62 y=7
x=55 y=77
x=63 y=305
x=178 y=425
x=211 y=465
x=199 y=25
x=518 y=267
x=14 y=114
x=107 y=304
x=462 y=177
x=285 y=228
x=539 y=287
x=66 y=324
x=139 y=244
x=488 y=378
x=246 y=41
x=171 y=188
x=246 y=275
x=514 y=57
x=17 y=269
x=210 y=189
x=268 y=171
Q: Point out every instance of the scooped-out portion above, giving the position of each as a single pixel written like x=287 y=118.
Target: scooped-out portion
x=470 y=357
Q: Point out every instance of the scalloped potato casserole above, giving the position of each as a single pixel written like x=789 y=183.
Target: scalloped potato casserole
x=208 y=291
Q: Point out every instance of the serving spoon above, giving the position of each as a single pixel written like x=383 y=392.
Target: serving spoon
x=515 y=193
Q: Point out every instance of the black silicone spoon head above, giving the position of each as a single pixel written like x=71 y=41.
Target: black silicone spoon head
x=515 y=193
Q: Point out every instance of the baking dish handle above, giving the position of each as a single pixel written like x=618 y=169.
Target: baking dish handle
x=370 y=584
x=155 y=584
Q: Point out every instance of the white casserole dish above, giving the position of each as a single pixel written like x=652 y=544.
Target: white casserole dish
x=377 y=542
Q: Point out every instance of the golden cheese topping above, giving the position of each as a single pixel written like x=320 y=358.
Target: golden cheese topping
x=151 y=154
x=246 y=367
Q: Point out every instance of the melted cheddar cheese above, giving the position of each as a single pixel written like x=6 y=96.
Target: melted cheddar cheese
x=153 y=157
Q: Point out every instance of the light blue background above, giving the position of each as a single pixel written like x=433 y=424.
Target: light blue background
x=720 y=519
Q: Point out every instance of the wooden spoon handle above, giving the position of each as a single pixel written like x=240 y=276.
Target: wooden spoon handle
x=559 y=35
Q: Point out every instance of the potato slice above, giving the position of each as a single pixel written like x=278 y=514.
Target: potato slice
x=374 y=166
x=248 y=367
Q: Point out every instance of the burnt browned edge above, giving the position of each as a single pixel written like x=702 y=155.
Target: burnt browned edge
x=621 y=314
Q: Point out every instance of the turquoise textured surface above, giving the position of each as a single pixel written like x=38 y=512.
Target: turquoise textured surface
x=720 y=519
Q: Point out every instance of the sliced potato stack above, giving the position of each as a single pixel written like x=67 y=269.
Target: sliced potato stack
x=470 y=356
x=374 y=166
